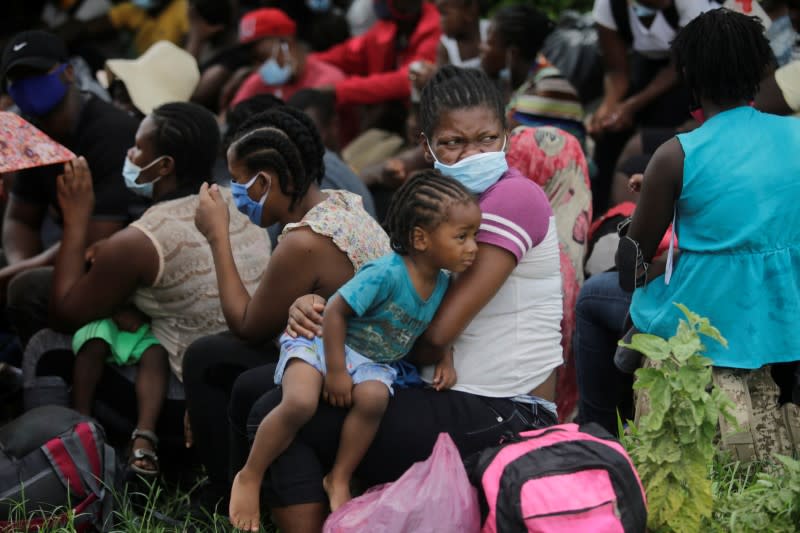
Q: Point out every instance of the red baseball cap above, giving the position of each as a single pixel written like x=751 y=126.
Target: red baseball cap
x=265 y=22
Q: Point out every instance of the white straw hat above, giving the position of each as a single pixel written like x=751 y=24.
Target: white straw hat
x=164 y=73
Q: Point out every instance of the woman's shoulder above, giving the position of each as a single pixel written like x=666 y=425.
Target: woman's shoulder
x=343 y=219
x=341 y=211
x=516 y=214
x=178 y=208
x=515 y=195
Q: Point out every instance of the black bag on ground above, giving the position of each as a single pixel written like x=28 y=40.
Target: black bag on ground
x=55 y=463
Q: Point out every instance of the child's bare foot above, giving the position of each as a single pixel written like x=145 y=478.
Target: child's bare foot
x=244 y=507
x=338 y=491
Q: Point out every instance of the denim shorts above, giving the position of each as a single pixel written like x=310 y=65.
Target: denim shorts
x=360 y=368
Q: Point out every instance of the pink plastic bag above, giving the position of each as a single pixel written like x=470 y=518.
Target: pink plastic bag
x=434 y=495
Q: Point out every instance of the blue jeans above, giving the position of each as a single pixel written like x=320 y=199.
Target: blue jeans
x=600 y=317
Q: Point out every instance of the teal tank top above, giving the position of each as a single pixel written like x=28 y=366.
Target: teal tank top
x=738 y=227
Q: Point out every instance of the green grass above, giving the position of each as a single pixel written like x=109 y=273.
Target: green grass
x=152 y=508
x=756 y=497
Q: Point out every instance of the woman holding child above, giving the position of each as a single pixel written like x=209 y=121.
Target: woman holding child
x=160 y=265
x=276 y=160
x=499 y=319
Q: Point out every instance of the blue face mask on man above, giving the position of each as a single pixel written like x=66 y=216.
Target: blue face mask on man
x=146 y=4
x=39 y=95
x=247 y=205
x=131 y=172
x=643 y=11
x=477 y=172
x=272 y=73
x=319 y=6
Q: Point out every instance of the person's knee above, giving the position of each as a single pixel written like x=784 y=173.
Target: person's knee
x=300 y=406
x=155 y=357
x=370 y=398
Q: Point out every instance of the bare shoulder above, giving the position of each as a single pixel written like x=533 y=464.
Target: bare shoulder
x=303 y=241
x=666 y=165
x=129 y=250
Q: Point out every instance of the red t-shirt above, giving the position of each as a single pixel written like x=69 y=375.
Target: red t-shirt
x=315 y=74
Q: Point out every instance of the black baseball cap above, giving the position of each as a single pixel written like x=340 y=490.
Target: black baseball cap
x=36 y=49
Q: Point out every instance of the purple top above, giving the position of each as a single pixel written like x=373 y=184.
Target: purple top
x=516 y=214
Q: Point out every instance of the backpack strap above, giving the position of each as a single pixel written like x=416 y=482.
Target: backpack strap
x=619 y=9
x=84 y=455
x=109 y=482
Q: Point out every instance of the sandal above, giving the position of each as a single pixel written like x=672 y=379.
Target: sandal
x=138 y=454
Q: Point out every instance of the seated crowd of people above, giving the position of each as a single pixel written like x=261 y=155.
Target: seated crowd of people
x=419 y=181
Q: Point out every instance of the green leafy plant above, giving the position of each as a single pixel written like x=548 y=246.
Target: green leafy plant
x=771 y=503
x=673 y=444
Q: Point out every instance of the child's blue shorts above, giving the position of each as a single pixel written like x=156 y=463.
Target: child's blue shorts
x=312 y=352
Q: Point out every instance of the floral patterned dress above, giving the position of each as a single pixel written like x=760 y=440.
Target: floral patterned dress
x=554 y=159
x=342 y=218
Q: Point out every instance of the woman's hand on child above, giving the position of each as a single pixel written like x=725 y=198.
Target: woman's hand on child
x=338 y=389
x=305 y=317
x=444 y=376
x=212 y=217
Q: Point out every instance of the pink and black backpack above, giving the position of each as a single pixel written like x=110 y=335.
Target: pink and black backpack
x=559 y=479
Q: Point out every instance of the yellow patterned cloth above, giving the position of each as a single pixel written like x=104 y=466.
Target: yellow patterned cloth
x=171 y=24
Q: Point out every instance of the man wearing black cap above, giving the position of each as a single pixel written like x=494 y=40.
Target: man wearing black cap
x=39 y=79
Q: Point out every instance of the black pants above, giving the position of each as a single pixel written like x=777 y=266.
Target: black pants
x=407 y=434
x=210 y=367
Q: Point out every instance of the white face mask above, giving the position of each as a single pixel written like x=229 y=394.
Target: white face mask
x=477 y=172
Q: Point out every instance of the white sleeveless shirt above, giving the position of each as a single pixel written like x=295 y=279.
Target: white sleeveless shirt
x=183 y=302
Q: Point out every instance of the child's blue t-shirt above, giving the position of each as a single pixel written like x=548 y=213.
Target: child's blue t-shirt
x=389 y=313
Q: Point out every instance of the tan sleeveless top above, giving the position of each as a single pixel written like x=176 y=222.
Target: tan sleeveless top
x=342 y=218
x=183 y=302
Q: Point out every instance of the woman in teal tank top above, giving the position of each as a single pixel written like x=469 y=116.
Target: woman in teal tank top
x=732 y=186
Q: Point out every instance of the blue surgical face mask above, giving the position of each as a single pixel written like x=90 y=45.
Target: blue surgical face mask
x=644 y=11
x=477 y=172
x=131 y=172
x=39 y=95
x=272 y=73
x=145 y=4
x=247 y=205
x=319 y=6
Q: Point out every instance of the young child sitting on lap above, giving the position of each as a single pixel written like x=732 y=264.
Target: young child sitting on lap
x=373 y=320
x=124 y=339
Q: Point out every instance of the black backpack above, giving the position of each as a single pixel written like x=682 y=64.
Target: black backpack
x=54 y=462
